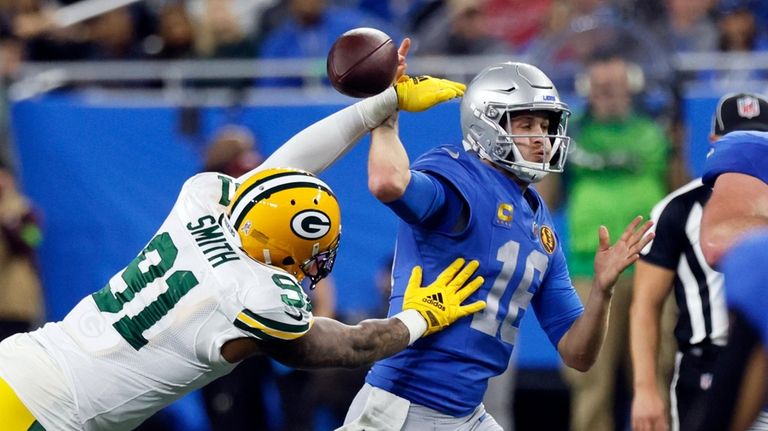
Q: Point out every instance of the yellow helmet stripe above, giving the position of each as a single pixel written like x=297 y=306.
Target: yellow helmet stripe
x=269 y=185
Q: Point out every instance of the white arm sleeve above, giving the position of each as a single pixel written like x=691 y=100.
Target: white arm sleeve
x=315 y=148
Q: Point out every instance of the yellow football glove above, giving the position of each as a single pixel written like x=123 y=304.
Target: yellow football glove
x=423 y=92
x=440 y=302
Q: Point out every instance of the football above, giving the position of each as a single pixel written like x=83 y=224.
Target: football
x=362 y=62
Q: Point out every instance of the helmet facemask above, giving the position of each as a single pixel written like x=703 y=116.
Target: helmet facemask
x=505 y=151
x=320 y=265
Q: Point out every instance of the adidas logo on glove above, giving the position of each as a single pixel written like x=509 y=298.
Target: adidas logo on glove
x=435 y=300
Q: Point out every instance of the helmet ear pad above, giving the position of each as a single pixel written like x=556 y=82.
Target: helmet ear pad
x=286 y=218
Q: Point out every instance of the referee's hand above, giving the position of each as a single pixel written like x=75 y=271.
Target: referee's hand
x=648 y=411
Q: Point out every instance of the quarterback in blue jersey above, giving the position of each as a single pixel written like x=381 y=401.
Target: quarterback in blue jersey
x=477 y=199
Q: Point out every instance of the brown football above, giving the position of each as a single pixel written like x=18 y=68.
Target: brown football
x=362 y=62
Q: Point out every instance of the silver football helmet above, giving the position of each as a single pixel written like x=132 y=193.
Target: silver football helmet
x=498 y=93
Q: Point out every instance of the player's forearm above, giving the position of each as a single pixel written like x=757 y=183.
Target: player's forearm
x=318 y=146
x=371 y=340
x=388 y=163
x=333 y=344
x=581 y=344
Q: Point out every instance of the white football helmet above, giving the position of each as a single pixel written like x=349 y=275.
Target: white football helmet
x=497 y=94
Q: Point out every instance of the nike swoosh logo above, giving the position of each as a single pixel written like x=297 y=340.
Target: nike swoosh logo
x=453 y=154
x=296 y=316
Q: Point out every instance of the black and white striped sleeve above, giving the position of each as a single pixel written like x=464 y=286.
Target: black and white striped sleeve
x=669 y=217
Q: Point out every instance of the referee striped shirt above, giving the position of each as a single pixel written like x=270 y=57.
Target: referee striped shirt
x=698 y=288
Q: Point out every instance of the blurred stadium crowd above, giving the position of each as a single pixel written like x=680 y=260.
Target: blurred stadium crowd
x=672 y=41
x=186 y=29
x=560 y=36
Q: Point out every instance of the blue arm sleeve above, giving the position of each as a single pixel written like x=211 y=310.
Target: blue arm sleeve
x=423 y=197
x=743 y=152
x=557 y=305
x=429 y=201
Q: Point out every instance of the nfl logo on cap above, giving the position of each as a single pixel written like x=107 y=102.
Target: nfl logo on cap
x=740 y=111
x=748 y=107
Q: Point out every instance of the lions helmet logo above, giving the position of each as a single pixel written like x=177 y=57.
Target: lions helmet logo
x=310 y=224
x=548 y=240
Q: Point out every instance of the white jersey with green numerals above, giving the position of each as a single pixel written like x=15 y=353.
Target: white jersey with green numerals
x=155 y=331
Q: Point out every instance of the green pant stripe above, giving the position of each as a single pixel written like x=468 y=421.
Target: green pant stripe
x=36 y=427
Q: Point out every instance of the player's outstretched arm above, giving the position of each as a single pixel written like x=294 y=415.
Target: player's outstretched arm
x=319 y=145
x=425 y=310
x=581 y=344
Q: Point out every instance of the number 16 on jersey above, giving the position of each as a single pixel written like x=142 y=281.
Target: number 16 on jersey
x=507 y=326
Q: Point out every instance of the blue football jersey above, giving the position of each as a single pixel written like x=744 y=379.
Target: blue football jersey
x=522 y=262
x=745 y=268
x=743 y=152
